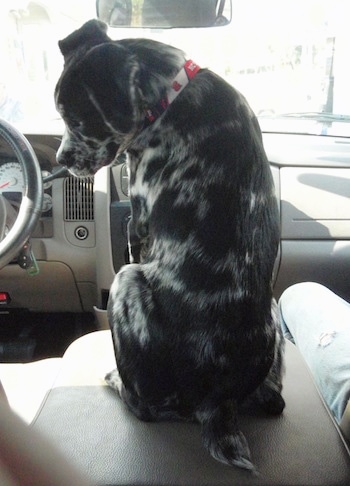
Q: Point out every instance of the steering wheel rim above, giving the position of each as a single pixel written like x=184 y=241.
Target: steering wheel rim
x=31 y=205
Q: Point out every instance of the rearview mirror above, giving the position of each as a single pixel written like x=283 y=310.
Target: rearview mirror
x=164 y=14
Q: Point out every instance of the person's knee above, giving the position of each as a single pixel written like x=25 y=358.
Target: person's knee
x=301 y=293
x=293 y=303
x=300 y=290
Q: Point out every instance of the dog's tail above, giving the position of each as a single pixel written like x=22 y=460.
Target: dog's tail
x=221 y=436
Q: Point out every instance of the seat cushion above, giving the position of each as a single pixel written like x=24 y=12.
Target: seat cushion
x=85 y=362
x=26 y=384
x=93 y=428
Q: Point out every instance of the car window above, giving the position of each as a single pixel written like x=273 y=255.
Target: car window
x=288 y=58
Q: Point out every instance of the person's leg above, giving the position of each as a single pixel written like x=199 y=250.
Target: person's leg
x=318 y=322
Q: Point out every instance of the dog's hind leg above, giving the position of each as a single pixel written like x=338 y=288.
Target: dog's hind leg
x=222 y=437
x=144 y=377
x=131 y=310
x=134 y=404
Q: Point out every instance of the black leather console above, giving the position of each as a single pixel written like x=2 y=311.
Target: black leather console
x=96 y=432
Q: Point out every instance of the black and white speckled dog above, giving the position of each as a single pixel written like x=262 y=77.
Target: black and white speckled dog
x=194 y=324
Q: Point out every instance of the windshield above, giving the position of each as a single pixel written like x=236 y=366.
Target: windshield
x=288 y=58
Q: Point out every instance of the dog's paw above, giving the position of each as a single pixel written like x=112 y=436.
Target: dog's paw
x=270 y=400
x=114 y=381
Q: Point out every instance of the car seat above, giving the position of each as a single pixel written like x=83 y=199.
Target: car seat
x=90 y=426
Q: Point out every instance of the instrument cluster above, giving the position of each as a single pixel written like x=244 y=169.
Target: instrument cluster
x=12 y=184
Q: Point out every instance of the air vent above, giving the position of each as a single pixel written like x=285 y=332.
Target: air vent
x=79 y=199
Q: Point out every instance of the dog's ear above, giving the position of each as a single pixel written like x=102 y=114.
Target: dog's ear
x=110 y=74
x=90 y=34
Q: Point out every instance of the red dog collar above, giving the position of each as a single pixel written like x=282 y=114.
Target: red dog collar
x=181 y=80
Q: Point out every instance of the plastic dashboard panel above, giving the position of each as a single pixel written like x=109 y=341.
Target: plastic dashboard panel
x=314 y=190
x=315 y=203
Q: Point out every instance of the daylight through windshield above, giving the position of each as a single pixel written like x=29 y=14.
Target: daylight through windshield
x=288 y=58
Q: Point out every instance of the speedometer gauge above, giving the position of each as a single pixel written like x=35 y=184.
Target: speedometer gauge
x=11 y=178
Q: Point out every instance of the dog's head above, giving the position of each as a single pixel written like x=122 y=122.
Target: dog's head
x=97 y=97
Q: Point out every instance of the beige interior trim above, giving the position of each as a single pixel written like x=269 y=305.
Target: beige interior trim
x=345 y=422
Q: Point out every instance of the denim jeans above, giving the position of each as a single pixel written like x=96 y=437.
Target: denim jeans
x=318 y=322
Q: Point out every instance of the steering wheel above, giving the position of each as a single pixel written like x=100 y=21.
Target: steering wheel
x=30 y=208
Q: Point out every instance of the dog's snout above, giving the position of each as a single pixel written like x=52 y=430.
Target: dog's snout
x=62 y=152
x=63 y=158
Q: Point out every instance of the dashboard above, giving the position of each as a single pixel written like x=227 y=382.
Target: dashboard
x=81 y=239
x=63 y=241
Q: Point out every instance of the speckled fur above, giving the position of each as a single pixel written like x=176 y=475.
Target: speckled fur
x=193 y=319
